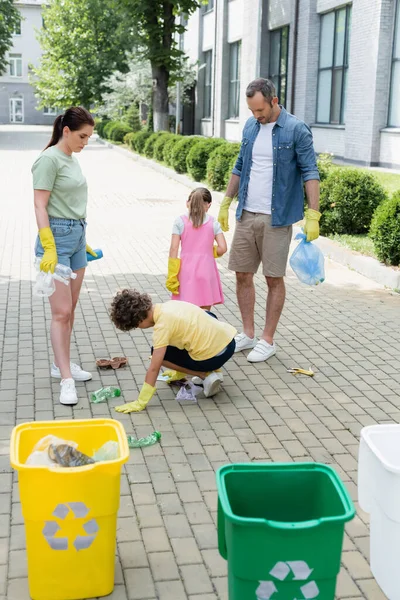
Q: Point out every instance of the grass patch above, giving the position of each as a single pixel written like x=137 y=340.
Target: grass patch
x=358 y=243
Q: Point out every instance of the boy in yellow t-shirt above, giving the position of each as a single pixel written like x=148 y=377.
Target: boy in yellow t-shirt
x=185 y=338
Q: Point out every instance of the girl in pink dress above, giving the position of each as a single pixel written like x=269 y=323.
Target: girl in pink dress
x=194 y=277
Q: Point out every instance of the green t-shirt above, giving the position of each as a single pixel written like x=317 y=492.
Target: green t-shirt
x=61 y=174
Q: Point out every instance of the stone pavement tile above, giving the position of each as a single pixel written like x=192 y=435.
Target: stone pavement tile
x=177 y=526
x=163 y=566
x=18 y=589
x=356 y=564
x=221 y=585
x=371 y=590
x=132 y=555
x=127 y=530
x=345 y=586
x=155 y=539
x=186 y=551
x=170 y=590
x=196 y=579
x=149 y=516
x=216 y=565
x=203 y=597
x=18 y=564
x=4 y=549
x=139 y=584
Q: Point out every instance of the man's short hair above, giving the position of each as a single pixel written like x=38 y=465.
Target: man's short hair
x=265 y=86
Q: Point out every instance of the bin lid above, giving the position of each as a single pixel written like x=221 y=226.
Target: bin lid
x=384 y=442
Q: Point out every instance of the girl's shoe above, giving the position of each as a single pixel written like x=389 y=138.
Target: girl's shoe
x=212 y=384
x=76 y=371
x=68 y=395
x=199 y=381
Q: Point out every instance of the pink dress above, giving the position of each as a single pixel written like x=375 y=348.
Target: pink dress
x=199 y=280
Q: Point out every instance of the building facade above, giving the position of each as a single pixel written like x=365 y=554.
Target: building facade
x=335 y=64
x=17 y=99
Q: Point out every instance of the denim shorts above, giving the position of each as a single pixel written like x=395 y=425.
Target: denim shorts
x=70 y=238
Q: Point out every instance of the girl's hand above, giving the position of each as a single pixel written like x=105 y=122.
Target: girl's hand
x=90 y=251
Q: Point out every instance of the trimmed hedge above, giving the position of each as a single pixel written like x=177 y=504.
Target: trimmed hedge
x=196 y=160
x=116 y=130
x=325 y=166
x=150 y=142
x=128 y=137
x=385 y=230
x=139 y=139
x=100 y=125
x=180 y=152
x=169 y=148
x=159 y=145
x=220 y=165
x=349 y=198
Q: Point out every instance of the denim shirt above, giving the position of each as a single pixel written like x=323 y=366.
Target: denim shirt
x=294 y=163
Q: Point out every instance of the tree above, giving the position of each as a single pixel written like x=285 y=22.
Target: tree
x=83 y=42
x=157 y=27
x=10 y=17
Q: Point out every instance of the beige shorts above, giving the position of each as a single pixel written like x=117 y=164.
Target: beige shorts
x=256 y=241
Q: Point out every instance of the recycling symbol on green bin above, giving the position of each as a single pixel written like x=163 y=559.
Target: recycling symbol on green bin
x=296 y=570
x=77 y=510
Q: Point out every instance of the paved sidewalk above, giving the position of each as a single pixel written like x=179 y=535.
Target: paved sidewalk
x=348 y=330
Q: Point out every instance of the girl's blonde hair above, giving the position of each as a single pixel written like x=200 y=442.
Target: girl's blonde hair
x=197 y=209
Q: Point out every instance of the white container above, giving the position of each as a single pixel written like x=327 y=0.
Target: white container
x=379 y=495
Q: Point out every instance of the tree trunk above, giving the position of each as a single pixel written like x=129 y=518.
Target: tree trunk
x=160 y=98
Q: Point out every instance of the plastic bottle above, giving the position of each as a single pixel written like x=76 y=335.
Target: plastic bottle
x=142 y=442
x=45 y=285
x=104 y=394
x=64 y=274
x=98 y=252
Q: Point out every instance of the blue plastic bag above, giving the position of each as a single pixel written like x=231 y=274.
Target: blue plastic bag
x=307 y=261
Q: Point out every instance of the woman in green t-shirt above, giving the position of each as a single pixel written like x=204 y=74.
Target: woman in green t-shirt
x=60 y=196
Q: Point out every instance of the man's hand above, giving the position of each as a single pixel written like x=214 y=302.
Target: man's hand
x=223 y=215
x=311 y=226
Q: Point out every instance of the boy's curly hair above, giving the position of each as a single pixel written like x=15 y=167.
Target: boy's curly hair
x=129 y=308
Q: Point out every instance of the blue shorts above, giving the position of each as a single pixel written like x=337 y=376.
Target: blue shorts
x=70 y=238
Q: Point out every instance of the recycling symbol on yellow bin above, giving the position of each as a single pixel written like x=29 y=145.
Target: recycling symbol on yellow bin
x=297 y=570
x=79 y=511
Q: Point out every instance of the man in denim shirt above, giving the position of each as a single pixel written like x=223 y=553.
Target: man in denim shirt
x=276 y=160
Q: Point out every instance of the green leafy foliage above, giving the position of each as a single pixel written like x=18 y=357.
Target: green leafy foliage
x=198 y=156
x=348 y=200
x=180 y=152
x=385 y=230
x=159 y=145
x=132 y=117
x=324 y=164
x=169 y=148
x=10 y=18
x=149 y=145
x=220 y=164
x=128 y=137
x=83 y=43
x=139 y=140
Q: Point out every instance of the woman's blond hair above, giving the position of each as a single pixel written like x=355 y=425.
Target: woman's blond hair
x=197 y=205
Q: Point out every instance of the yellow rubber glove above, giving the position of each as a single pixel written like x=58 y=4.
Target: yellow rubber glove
x=215 y=251
x=49 y=260
x=89 y=250
x=146 y=394
x=172 y=283
x=311 y=226
x=173 y=375
x=223 y=215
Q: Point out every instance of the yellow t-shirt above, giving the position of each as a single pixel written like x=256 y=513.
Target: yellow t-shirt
x=190 y=328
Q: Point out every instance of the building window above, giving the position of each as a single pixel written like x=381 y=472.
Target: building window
x=207 y=7
x=17 y=30
x=47 y=110
x=234 y=80
x=278 y=61
x=207 y=84
x=333 y=65
x=15 y=65
x=17 y=110
x=394 y=110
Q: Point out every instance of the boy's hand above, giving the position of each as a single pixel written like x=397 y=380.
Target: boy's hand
x=146 y=394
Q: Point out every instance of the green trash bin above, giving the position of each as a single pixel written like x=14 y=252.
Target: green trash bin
x=280 y=527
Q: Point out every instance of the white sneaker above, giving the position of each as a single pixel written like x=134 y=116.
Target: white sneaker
x=76 y=371
x=68 y=395
x=262 y=351
x=199 y=381
x=244 y=342
x=212 y=384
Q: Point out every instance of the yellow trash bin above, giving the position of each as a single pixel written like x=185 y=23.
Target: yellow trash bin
x=70 y=514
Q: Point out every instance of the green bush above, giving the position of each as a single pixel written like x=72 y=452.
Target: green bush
x=118 y=131
x=325 y=166
x=159 y=145
x=181 y=150
x=151 y=140
x=101 y=125
x=139 y=140
x=132 y=117
x=108 y=127
x=220 y=165
x=128 y=137
x=385 y=230
x=169 y=148
x=196 y=160
x=349 y=198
